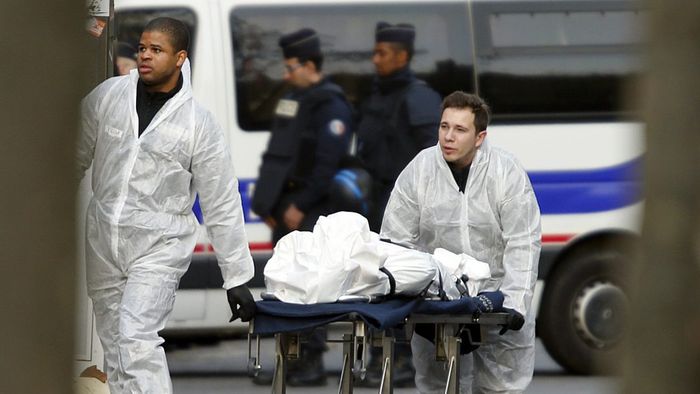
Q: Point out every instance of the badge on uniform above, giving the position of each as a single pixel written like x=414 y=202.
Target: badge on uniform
x=287 y=108
x=337 y=127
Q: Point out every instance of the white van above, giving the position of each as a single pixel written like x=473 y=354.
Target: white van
x=554 y=72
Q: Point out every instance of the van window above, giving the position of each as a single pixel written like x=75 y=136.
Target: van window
x=530 y=55
x=443 y=52
x=130 y=23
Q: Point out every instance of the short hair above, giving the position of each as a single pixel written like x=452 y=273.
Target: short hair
x=175 y=29
x=461 y=100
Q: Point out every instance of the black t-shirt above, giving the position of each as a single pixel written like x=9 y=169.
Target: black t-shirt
x=148 y=104
x=460 y=175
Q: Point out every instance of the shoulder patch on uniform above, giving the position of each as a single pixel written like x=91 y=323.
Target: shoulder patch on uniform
x=337 y=127
x=287 y=108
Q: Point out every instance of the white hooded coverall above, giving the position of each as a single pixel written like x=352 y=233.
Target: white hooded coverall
x=496 y=220
x=140 y=229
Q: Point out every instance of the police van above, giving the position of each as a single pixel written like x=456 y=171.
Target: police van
x=556 y=74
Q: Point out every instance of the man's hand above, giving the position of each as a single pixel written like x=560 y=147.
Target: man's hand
x=293 y=217
x=515 y=321
x=240 y=296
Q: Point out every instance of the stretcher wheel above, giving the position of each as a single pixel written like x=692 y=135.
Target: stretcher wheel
x=253 y=367
x=357 y=371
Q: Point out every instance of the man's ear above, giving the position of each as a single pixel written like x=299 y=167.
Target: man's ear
x=402 y=54
x=181 y=56
x=480 y=136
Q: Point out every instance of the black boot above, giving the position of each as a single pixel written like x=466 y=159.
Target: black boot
x=404 y=373
x=307 y=370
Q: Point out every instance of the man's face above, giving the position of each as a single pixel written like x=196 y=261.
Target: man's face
x=158 y=63
x=387 y=59
x=298 y=74
x=458 y=137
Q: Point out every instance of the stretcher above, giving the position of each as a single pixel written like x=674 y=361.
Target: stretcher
x=453 y=322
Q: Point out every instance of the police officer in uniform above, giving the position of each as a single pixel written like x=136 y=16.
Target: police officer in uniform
x=398 y=120
x=310 y=135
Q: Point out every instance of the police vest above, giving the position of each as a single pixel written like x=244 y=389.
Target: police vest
x=385 y=147
x=293 y=137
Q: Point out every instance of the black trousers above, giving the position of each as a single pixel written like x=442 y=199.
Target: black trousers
x=381 y=192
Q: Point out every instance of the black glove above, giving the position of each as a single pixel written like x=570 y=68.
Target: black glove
x=240 y=295
x=515 y=321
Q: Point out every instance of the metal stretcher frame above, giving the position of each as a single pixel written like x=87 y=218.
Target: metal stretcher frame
x=356 y=344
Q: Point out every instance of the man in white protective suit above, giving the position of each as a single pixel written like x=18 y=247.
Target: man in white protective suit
x=467 y=197
x=152 y=147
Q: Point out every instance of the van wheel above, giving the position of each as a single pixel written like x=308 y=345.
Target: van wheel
x=582 y=317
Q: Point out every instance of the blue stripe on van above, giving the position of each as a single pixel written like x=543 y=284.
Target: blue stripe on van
x=558 y=192
x=197 y=210
x=588 y=191
x=245 y=188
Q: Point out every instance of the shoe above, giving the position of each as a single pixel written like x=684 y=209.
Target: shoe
x=307 y=371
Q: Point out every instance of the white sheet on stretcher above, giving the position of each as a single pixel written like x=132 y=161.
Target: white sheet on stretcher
x=343 y=257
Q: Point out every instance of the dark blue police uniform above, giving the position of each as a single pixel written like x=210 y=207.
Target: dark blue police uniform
x=398 y=120
x=310 y=135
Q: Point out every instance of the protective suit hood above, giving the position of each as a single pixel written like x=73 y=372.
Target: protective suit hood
x=171 y=105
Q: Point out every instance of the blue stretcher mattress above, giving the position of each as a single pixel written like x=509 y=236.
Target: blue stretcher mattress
x=274 y=317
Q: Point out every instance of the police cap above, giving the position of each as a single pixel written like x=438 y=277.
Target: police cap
x=302 y=44
x=401 y=32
